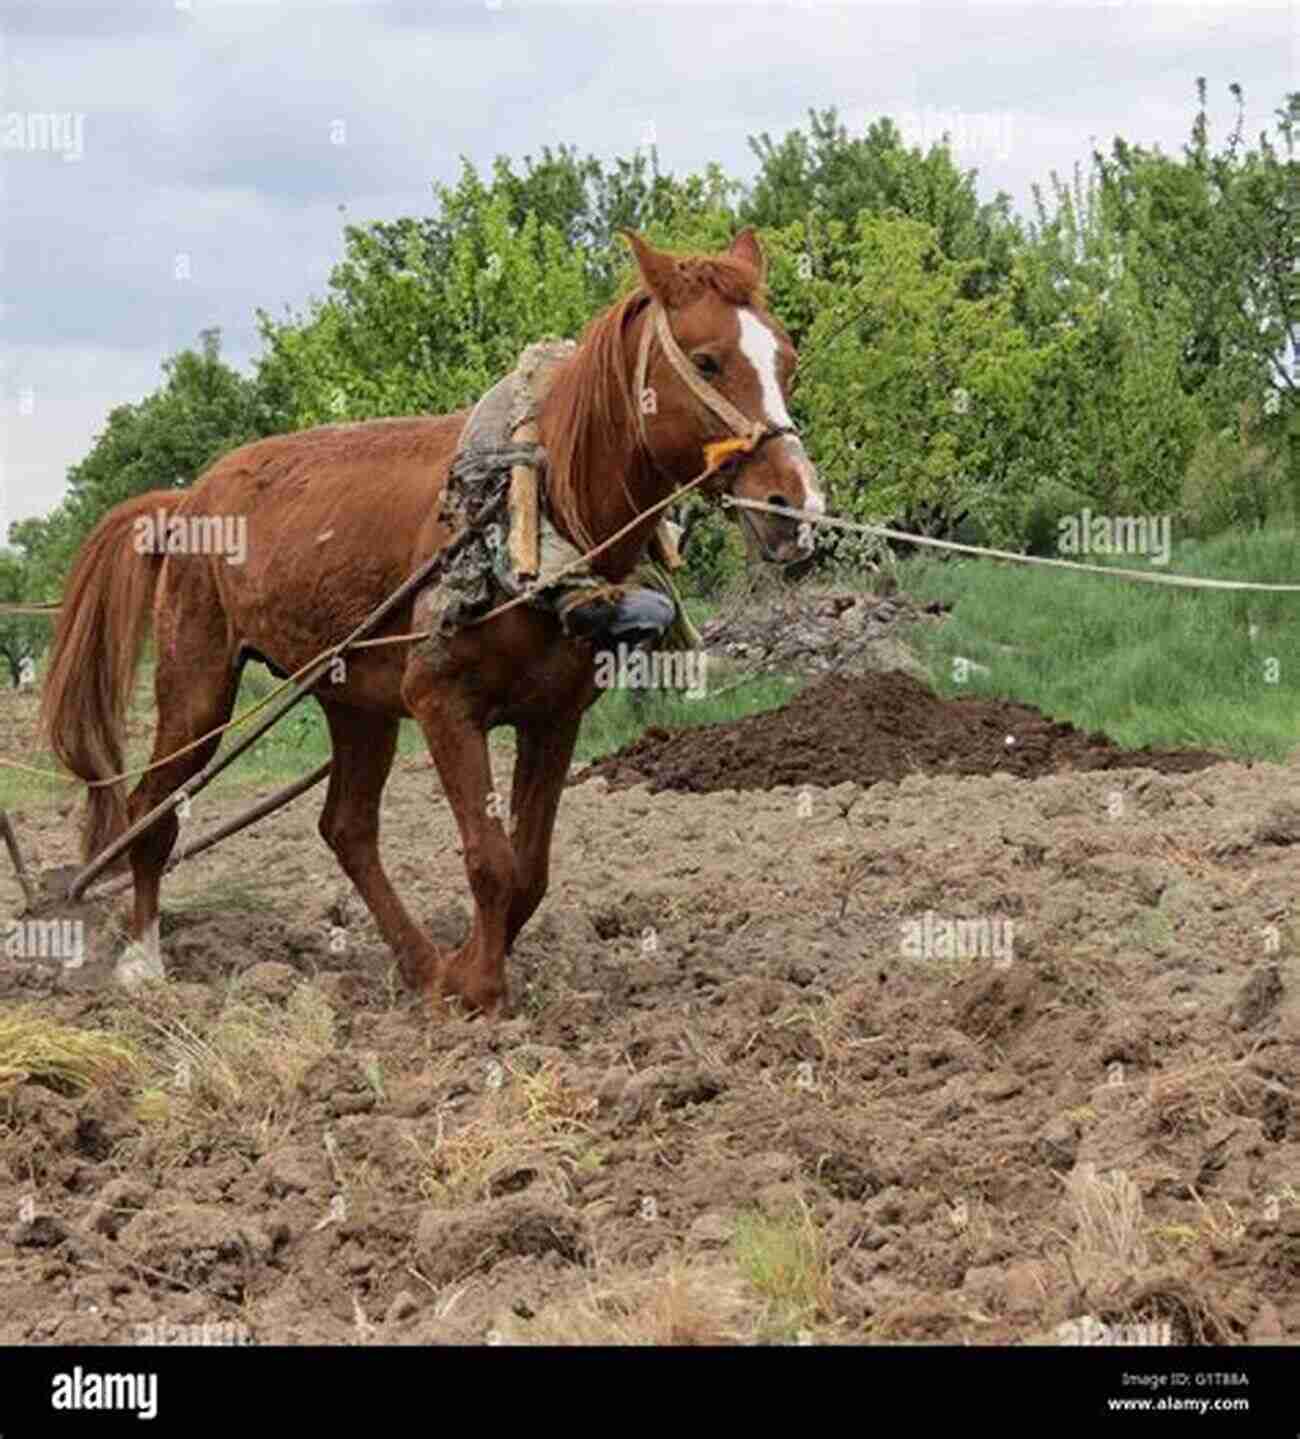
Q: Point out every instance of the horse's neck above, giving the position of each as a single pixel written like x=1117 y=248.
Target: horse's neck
x=622 y=485
x=616 y=484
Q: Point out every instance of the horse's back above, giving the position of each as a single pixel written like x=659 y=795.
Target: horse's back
x=325 y=524
x=373 y=485
x=377 y=458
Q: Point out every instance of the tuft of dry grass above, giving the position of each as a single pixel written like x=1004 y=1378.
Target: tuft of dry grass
x=533 y=1128
x=238 y=1074
x=33 y=1046
x=1191 y=1099
x=1108 y=1216
x=1191 y=1316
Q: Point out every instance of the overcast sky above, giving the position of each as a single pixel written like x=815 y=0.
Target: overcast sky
x=199 y=150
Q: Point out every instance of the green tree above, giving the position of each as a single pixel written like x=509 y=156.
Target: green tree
x=23 y=638
x=925 y=398
x=1116 y=425
x=1221 y=228
x=422 y=316
x=825 y=175
x=586 y=200
x=395 y=339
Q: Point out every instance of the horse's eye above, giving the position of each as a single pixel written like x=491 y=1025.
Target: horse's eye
x=706 y=364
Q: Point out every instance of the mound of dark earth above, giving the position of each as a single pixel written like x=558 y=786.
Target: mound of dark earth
x=866 y=728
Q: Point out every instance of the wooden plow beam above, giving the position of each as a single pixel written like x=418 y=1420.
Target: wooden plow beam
x=222 y=831
x=231 y=826
x=16 y=854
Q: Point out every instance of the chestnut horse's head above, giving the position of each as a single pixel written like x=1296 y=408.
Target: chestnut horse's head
x=714 y=365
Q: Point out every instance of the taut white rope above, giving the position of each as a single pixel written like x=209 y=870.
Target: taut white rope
x=1187 y=582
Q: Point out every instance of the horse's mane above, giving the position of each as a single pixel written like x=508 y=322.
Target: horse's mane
x=592 y=395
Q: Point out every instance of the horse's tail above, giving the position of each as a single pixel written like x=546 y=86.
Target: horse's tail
x=107 y=601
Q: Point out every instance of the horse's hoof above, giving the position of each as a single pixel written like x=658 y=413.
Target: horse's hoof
x=457 y=979
x=137 y=965
x=444 y=1003
x=141 y=960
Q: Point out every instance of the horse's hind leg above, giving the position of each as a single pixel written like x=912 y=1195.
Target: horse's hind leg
x=195 y=693
x=364 y=746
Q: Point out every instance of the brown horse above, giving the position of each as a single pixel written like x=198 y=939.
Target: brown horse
x=337 y=517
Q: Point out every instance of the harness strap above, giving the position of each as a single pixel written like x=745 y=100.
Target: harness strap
x=749 y=435
x=657 y=328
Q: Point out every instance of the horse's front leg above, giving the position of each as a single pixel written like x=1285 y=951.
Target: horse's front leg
x=541 y=767
x=477 y=971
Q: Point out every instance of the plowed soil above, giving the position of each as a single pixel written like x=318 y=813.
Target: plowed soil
x=757 y=1087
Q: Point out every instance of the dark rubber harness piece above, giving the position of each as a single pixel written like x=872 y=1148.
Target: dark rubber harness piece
x=634 y=617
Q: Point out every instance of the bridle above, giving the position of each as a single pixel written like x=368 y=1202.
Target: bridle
x=752 y=435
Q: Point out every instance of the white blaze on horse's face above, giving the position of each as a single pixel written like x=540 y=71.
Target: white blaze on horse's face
x=759 y=346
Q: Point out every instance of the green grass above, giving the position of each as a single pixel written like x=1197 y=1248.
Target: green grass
x=18 y=789
x=300 y=742
x=784 y=1260
x=1147 y=665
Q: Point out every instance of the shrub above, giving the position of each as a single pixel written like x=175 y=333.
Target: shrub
x=1234 y=479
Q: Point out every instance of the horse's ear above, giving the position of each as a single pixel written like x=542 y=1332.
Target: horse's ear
x=746 y=247
x=658 y=270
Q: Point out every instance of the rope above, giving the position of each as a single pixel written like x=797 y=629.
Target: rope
x=1187 y=582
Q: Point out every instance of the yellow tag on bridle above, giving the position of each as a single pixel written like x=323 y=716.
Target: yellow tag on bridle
x=718 y=452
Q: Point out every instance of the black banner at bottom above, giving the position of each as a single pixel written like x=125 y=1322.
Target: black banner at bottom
x=187 y=1391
